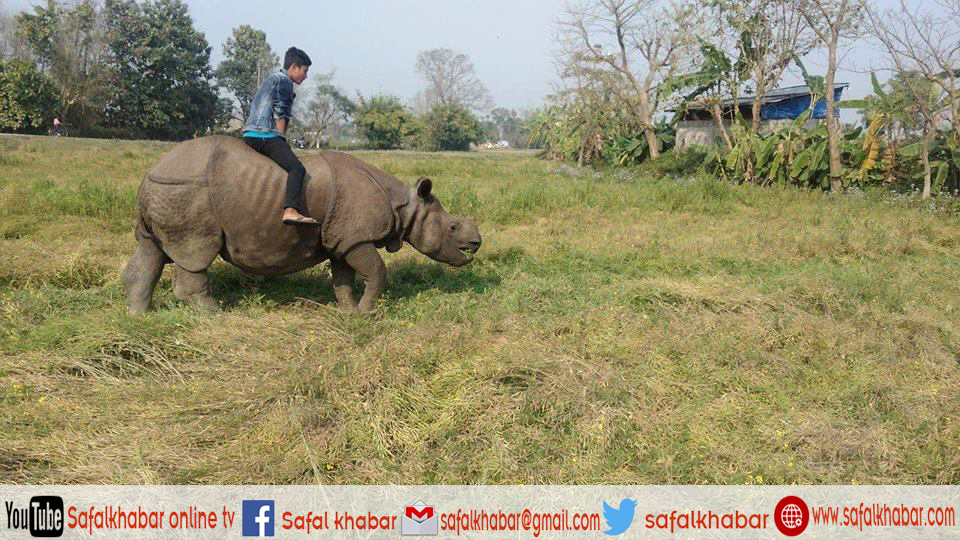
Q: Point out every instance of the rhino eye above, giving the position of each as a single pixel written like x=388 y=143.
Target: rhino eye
x=454 y=225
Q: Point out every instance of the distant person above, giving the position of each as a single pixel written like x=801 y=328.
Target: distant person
x=266 y=127
x=56 y=125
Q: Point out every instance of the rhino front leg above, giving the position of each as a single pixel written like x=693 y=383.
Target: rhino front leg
x=368 y=263
x=343 y=277
x=193 y=289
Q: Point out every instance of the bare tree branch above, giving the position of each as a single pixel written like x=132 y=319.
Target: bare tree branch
x=451 y=78
x=623 y=48
x=928 y=45
x=831 y=20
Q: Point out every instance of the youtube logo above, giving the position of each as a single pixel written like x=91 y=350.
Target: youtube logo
x=43 y=517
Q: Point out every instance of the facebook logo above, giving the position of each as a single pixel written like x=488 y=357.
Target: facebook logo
x=257 y=518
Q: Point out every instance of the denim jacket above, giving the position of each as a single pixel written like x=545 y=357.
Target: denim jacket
x=273 y=100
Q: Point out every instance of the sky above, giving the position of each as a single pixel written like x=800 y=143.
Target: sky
x=373 y=44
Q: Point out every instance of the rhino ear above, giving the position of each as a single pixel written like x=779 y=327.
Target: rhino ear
x=424 y=185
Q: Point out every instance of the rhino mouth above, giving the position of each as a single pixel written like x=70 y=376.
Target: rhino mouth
x=468 y=252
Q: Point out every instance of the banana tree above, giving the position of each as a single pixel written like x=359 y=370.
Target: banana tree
x=943 y=158
x=557 y=129
x=634 y=149
x=793 y=155
x=937 y=149
x=883 y=109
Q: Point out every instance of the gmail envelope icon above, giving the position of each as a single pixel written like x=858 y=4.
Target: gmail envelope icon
x=418 y=520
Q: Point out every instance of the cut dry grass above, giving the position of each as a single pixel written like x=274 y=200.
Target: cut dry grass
x=613 y=329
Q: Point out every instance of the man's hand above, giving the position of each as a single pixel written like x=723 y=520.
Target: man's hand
x=282 y=126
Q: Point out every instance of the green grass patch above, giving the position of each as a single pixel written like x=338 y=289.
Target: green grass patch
x=624 y=326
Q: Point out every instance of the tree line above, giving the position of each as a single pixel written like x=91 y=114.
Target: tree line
x=448 y=114
x=630 y=69
x=140 y=69
x=120 y=68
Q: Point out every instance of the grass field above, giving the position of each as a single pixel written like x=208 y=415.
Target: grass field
x=614 y=328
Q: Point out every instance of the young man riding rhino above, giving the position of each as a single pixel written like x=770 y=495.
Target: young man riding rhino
x=266 y=127
x=211 y=197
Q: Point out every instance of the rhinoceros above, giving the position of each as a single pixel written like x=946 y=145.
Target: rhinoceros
x=215 y=196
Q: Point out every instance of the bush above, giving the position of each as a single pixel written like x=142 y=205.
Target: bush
x=674 y=162
x=418 y=134
x=28 y=98
x=452 y=127
x=384 y=121
x=581 y=133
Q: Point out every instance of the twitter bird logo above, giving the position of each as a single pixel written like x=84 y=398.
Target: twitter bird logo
x=619 y=520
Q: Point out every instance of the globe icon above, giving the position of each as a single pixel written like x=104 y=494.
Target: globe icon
x=791 y=516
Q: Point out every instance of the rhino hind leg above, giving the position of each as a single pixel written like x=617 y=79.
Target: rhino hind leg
x=193 y=289
x=142 y=273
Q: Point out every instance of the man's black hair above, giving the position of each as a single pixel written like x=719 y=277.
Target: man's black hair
x=295 y=56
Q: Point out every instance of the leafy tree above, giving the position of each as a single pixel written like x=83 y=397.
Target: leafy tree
x=418 y=133
x=923 y=115
x=39 y=30
x=533 y=128
x=384 y=121
x=28 y=99
x=248 y=59
x=905 y=87
x=162 y=66
x=452 y=127
x=223 y=113
x=505 y=124
x=67 y=41
x=490 y=131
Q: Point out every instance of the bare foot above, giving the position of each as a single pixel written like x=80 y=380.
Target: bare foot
x=292 y=217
